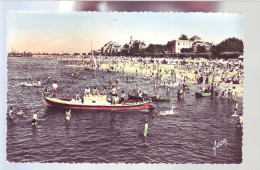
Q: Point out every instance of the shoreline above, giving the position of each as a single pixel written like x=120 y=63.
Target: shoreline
x=131 y=68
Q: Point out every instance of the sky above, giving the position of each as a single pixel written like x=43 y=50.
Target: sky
x=57 y=32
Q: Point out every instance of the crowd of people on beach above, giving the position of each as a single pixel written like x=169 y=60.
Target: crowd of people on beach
x=219 y=77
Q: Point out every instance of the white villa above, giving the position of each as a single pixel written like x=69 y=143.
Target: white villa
x=175 y=46
x=110 y=48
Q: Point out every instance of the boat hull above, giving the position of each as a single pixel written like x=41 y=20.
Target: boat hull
x=154 y=99
x=65 y=103
x=199 y=94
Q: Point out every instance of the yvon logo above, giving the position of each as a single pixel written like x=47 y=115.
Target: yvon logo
x=218 y=144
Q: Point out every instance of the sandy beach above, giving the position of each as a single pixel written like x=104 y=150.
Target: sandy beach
x=146 y=69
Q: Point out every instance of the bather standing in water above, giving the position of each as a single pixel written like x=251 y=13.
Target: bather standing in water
x=68 y=114
x=35 y=118
x=11 y=112
x=240 y=120
x=146 y=128
x=236 y=108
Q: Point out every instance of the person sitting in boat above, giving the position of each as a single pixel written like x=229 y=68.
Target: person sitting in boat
x=104 y=91
x=145 y=95
x=35 y=118
x=54 y=91
x=68 y=114
x=95 y=91
x=137 y=89
x=45 y=91
x=116 y=99
x=87 y=92
x=11 y=112
x=203 y=90
x=206 y=90
x=113 y=93
x=122 y=97
x=77 y=96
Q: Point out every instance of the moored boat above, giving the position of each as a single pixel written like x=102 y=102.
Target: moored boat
x=153 y=98
x=29 y=84
x=200 y=94
x=93 y=104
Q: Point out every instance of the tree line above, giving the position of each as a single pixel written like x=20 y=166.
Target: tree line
x=229 y=48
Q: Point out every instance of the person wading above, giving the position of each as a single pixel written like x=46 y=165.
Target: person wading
x=35 y=118
x=68 y=114
x=146 y=128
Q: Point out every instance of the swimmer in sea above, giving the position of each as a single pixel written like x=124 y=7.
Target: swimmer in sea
x=35 y=118
x=20 y=112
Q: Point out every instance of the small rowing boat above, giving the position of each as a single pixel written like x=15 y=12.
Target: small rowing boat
x=200 y=94
x=30 y=84
x=94 y=104
x=153 y=98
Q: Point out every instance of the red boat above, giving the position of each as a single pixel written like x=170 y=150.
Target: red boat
x=94 y=104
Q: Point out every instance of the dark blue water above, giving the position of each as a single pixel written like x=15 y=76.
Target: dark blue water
x=187 y=136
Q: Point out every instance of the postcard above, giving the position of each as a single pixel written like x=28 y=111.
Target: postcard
x=125 y=87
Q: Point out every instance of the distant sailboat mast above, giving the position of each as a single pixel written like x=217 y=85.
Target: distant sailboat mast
x=91 y=47
x=94 y=58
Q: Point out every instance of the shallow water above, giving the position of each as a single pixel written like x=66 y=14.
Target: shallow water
x=188 y=136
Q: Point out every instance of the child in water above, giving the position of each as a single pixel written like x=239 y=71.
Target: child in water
x=11 y=112
x=35 y=118
x=146 y=128
x=68 y=114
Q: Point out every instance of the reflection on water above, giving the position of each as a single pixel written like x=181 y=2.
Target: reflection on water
x=114 y=136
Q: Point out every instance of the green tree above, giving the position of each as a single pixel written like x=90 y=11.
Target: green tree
x=186 y=50
x=155 y=48
x=231 y=45
x=229 y=48
x=183 y=37
x=201 y=49
x=126 y=46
